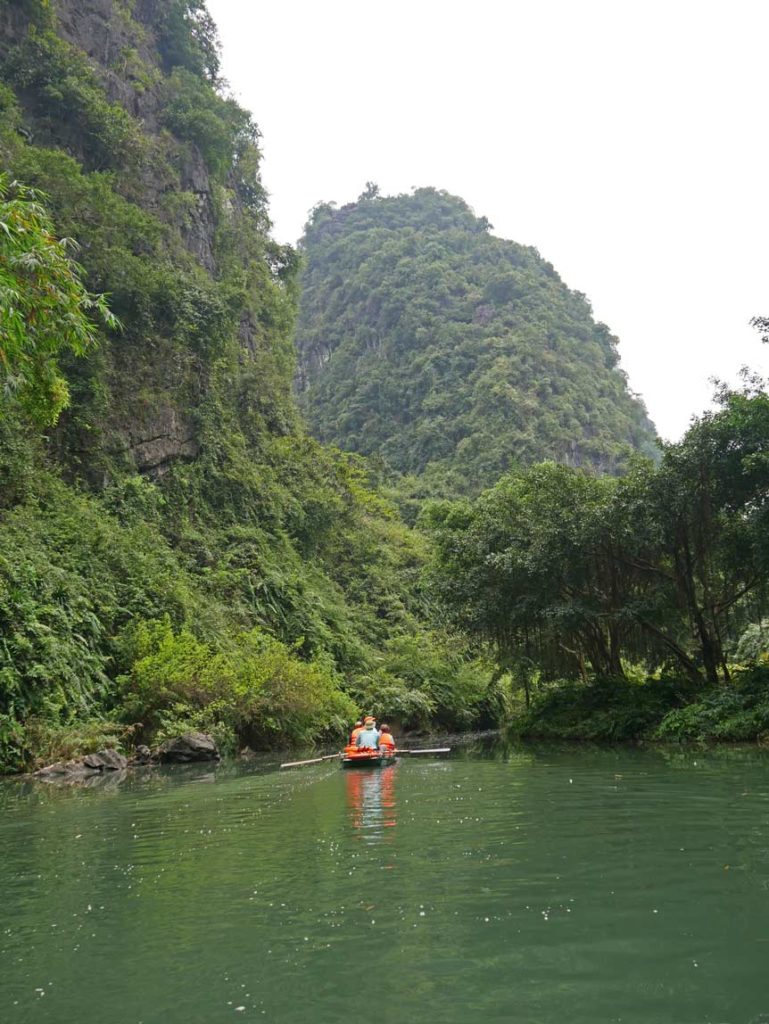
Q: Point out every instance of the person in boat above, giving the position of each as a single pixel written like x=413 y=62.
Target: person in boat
x=356 y=732
x=369 y=737
x=386 y=738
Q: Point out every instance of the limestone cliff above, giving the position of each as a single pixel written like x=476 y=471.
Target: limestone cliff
x=113 y=109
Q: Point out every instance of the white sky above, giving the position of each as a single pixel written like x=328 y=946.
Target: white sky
x=626 y=140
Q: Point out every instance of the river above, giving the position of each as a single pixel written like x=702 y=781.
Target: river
x=499 y=884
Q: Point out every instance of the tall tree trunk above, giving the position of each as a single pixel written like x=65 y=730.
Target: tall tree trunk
x=708 y=648
x=615 y=652
x=688 y=664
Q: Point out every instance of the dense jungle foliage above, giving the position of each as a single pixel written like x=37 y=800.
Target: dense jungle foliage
x=647 y=594
x=450 y=353
x=174 y=552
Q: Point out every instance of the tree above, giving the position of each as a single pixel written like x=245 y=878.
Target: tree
x=532 y=568
x=761 y=323
x=711 y=499
x=45 y=309
x=665 y=565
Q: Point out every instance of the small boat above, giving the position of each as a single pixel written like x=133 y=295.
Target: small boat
x=365 y=757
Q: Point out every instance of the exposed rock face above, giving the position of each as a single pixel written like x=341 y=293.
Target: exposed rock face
x=159 y=437
x=82 y=768
x=105 y=761
x=191 y=747
x=121 y=42
x=65 y=770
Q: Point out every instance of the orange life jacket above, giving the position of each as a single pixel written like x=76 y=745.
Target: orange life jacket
x=386 y=739
x=355 y=733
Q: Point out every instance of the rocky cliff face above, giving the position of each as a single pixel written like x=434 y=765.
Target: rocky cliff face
x=111 y=108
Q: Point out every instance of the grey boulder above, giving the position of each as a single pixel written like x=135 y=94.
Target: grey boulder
x=142 y=756
x=192 y=746
x=65 y=770
x=105 y=761
x=85 y=767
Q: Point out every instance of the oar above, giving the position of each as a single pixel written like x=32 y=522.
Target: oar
x=435 y=750
x=312 y=760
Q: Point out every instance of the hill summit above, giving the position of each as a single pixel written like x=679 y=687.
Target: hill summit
x=425 y=340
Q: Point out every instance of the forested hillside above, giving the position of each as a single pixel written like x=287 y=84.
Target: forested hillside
x=174 y=552
x=632 y=606
x=427 y=341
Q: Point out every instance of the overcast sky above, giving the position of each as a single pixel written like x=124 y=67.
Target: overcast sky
x=626 y=141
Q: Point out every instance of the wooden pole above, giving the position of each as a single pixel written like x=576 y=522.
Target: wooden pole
x=435 y=750
x=312 y=760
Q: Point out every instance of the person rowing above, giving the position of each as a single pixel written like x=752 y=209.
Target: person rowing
x=386 y=739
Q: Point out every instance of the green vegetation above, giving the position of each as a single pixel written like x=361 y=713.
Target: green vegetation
x=44 y=308
x=432 y=679
x=254 y=690
x=447 y=352
x=605 y=711
x=638 y=594
x=63 y=93
x=736 y=713
x=174 y=552
x=656 y=708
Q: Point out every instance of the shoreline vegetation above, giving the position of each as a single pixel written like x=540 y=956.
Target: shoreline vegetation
x=605 y=714
x=630 y=606
x=178 y=554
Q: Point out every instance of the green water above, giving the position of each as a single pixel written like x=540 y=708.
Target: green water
x=530 y=885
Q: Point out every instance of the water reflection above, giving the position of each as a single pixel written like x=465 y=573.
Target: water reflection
x=371 y=801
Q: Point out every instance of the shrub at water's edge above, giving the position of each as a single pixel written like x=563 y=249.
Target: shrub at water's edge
x=611 y=710
x=607 y=710
x=734 y=713
x=253 y=690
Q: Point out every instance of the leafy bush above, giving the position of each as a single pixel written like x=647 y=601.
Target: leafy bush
x=47 y=741
x=71 y=578
x=731 y=713
x=606 y=710
x=391 y=700
x=187 y=37
x=428 y=679
x=63 y=88
x=254 y=685
x=44 y=308
x=753 y=643
x=215 y=124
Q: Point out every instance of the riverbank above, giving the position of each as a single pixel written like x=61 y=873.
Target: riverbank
x=63 y=752
x=601 y=711
x=613 y=710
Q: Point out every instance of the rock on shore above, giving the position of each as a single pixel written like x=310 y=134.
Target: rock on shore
x=103 y=761
x=192 y=746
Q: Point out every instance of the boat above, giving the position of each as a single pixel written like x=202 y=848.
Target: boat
x=366 y=757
